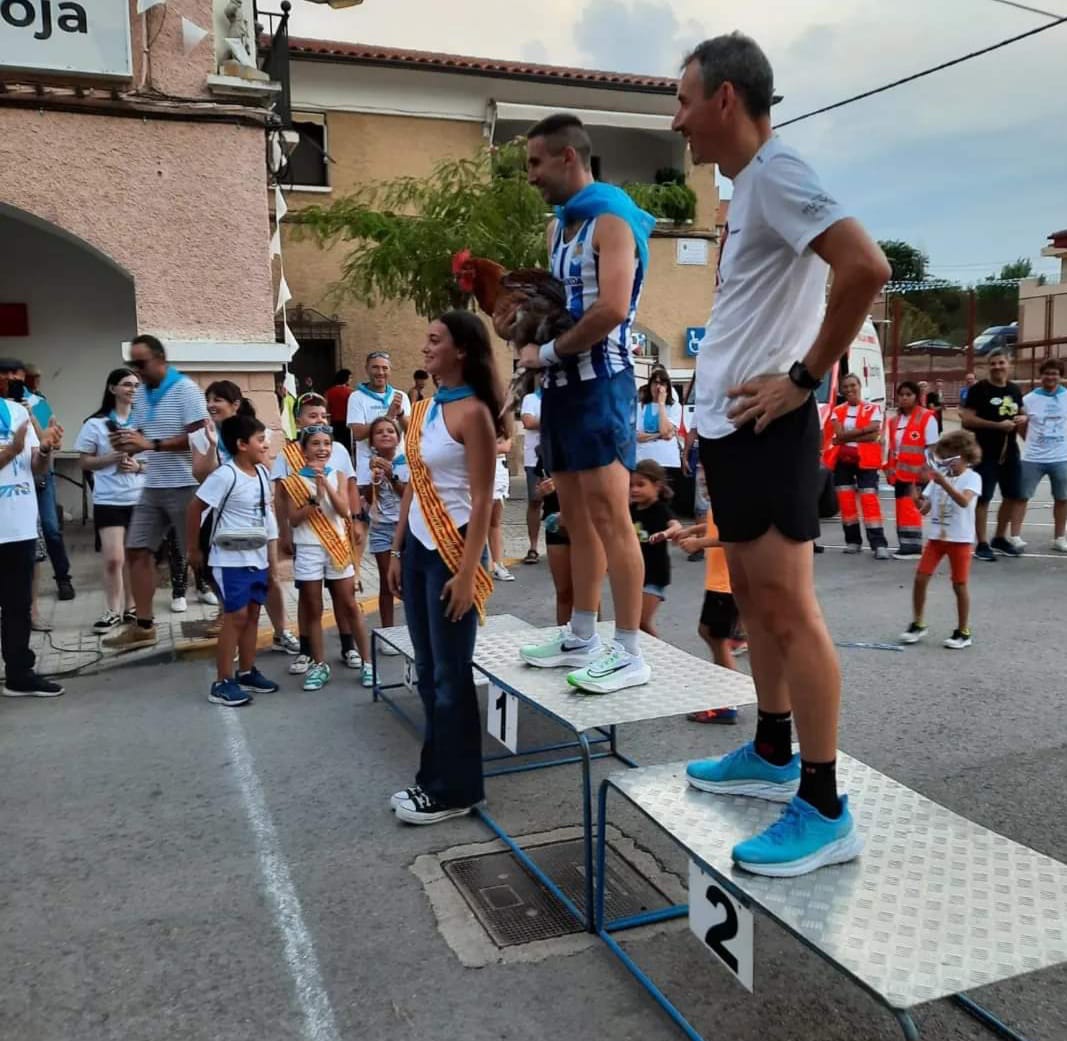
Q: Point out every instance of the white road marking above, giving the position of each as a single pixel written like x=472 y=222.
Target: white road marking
x=300 y=958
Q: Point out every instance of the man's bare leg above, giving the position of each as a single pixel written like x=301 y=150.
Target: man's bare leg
x=588 y=562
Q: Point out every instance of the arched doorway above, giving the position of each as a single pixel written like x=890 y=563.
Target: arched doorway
x=80 y=307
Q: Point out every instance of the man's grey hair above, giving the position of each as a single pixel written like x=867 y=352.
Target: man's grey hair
x=998 y=352
x=739 y=60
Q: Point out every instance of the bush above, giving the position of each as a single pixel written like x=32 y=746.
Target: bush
x=676 y=202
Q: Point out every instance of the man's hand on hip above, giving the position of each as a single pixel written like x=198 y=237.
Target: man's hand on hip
x=765 y=399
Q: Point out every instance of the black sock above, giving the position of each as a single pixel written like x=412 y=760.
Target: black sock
x=818 y=787
x=144 y=623
x=305 y=646
x=346 y=642
x=774 y=737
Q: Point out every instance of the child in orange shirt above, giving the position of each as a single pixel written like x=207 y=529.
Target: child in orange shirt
x=718 y=617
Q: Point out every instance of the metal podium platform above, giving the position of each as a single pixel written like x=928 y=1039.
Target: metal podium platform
x=681 y=683
x=935 y=905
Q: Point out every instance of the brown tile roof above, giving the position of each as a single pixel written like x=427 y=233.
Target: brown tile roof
x=372 y=54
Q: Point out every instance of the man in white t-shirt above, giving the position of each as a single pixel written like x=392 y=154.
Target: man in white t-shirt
x=1045 y=450
x=22 y=456
x=530 y=410
x=767 y=346
x=374 y=397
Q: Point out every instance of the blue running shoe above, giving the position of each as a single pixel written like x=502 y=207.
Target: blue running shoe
x=255 y=682
x=227 y=692
x=744 y=772
x=801 y=840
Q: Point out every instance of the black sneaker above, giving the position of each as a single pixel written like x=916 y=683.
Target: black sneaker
x=423 y=808
x=983 y=552
x=695 y=558
x=1004 y=547
x=31 y=686
x=407 y=795
x=65 y=588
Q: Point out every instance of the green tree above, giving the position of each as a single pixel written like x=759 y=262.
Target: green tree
x=1021 y=268
x=908 y=263
x=404 y=232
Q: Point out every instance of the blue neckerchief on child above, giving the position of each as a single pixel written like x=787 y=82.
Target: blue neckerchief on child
x=154 y=395
x=5 y=419
x=113 y=416
x=446 y=394
x=306 y=471
x=385 y=399
x=651 y=418
x=597 y=198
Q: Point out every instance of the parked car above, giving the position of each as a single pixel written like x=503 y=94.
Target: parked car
x=1004 y=336
x=932 y=347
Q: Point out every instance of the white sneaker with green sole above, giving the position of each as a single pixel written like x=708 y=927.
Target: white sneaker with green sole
x=563 y=649
x=614 y=670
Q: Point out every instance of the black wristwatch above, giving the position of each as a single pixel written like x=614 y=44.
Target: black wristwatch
x=798 y=373
x=157 y=445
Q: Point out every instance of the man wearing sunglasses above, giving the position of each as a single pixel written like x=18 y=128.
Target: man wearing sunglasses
x=167 y=408
x=374 y=397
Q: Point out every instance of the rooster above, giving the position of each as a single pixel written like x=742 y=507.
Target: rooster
x=528 y=306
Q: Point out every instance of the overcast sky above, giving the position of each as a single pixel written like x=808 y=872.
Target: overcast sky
x=969 y=164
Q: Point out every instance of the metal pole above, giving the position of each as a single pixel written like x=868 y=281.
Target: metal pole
x=897 y=309
x=972 y=328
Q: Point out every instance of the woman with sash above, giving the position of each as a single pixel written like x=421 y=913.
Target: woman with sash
x=438 y=562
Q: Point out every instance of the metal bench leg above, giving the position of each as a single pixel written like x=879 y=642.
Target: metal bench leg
x=374 y=665
x=907 y=1024
x=986 y=1018
x=587 y=822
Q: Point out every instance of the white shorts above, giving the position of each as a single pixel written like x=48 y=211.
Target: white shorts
x=502 y=481
x=311 y=563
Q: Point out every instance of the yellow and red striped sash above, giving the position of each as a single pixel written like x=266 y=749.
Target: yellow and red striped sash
x=446 y=535
x=339 y=548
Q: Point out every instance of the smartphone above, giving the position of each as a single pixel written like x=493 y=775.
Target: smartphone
x=112 y=426
x=16 y=390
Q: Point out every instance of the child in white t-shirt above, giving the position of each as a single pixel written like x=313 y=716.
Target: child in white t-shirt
x=948 y=506
x=242 y=525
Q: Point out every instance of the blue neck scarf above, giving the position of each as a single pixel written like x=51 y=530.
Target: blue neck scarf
x=385 y=399
x=306 y=471
x=651 y=418
x=113 y=416
x=5 y=419
x=597 y=198
x=154 y=395
x=446 y=394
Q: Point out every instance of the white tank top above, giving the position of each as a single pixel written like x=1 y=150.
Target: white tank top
x=446 y=459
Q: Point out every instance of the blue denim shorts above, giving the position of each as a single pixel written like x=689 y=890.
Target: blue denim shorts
x=654 y=590
x=589 y=424
x=381 y=536
x=1031 y=474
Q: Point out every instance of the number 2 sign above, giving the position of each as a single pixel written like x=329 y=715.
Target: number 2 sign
x=722 y=924
x=502 y=719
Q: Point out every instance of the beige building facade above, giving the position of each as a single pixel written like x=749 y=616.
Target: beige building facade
x=379 y=113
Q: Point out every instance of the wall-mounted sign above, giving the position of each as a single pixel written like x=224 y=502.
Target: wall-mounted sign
x=693 y=335
x=692 y=251
x=91 y=38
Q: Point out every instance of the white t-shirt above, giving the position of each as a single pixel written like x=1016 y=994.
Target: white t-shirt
x=18 y=497
x=248 y=504
x=947 y=520
x=339 y=460
x=304 y=534
x=362 y=408
x=1046 y=433
x=852 y=413
x=666 y=453
x=531 y=406
x=769 y=301
x=111 y=487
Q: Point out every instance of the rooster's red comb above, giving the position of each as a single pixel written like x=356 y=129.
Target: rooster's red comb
x=459 y=260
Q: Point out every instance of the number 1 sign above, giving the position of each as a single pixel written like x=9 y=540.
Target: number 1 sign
x=502 y=719
x=722 y=924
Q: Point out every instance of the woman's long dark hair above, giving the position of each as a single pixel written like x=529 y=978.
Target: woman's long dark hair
x=644 y=395
x=479 y=373
x=107 y=406
x=227 y=390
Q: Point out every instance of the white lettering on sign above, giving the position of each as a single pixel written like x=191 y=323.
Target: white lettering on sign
x=502 y=719
x=723 y=924
x=411 y=675
x=89 y=38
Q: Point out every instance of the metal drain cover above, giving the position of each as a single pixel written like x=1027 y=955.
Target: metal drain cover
x=515 y=908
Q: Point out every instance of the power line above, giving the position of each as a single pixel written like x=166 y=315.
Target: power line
x=1025 y=7
x=925 y=72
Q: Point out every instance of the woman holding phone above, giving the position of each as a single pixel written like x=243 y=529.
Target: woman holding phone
x=117 y=481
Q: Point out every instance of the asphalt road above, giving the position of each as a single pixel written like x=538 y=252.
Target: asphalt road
x=176 y=870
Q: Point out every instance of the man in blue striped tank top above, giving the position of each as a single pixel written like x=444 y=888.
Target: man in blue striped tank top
x=598 y=249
